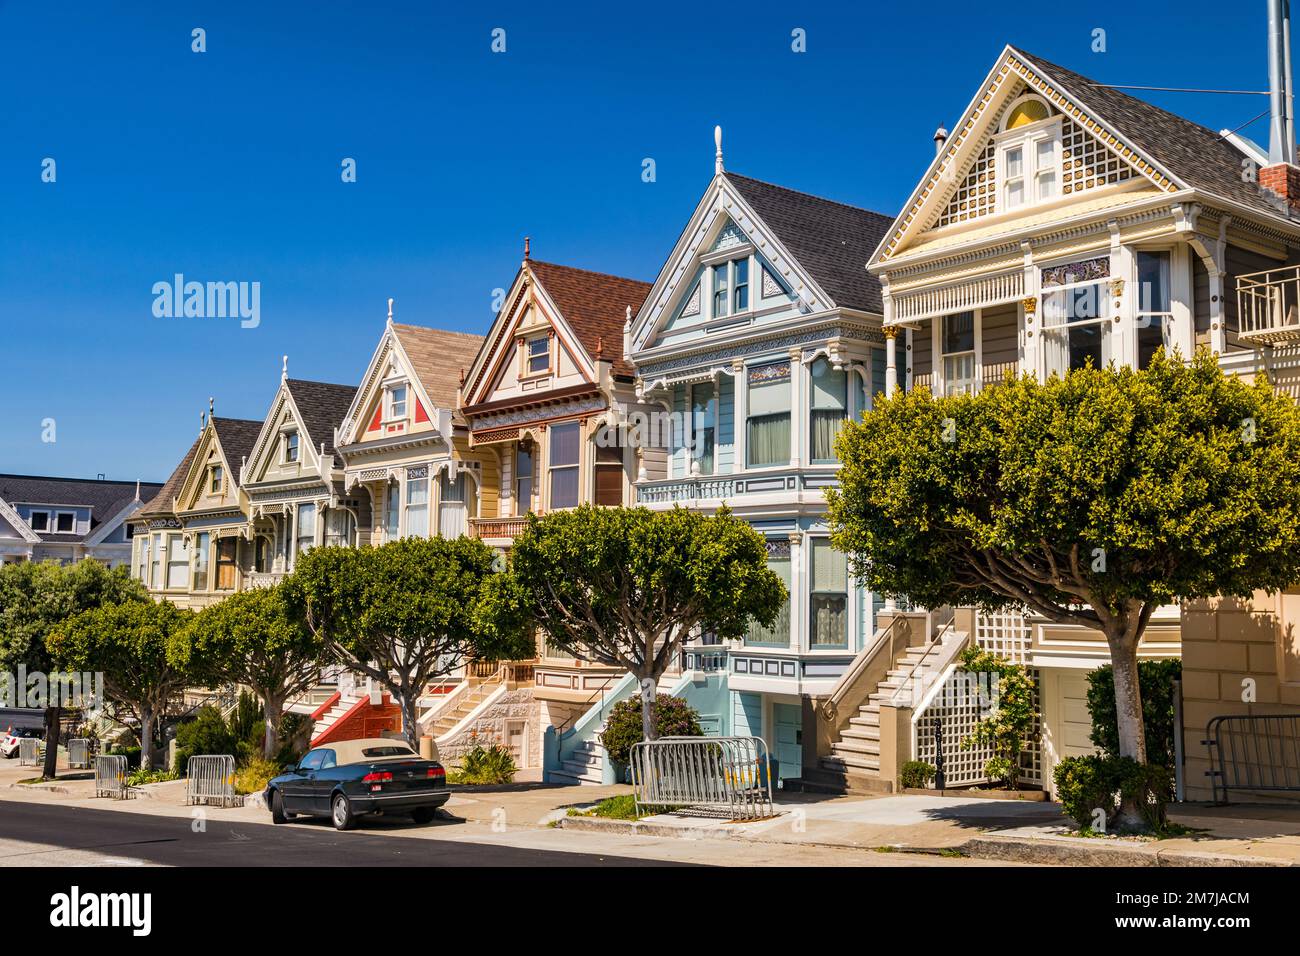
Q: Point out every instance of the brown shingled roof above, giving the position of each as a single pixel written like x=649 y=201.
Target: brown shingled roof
x=162 y=502
x=594 y=305
x=438 y=357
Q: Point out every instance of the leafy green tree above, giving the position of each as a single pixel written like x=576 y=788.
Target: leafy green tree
x=673 y=717
x=1091 y=499
x=37 y=597
x=408 y=611
x=128 y=643
x=1156 y=689
x=627 y=587
x=252 y=638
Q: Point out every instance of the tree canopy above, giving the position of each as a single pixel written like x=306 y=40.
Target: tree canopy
x=627 y=586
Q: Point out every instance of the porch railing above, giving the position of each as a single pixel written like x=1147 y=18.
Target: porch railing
x=685 y=489
x=497 y=527
x=1268 y=306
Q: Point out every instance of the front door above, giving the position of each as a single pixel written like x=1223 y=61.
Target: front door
x=787 y=720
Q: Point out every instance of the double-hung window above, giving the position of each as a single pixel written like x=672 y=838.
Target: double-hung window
x=1076 y=329
x=829 y=596
x=539 y=355
x=1154 y=310
x=830 y=407
x=65 y=522
x=730 y=287
x=39 y=520
x=396 y=402
x=778 y=635
x=957 y=346
x=524 y=480
x=767 y=432
x=157 y=556
x=290 y=447
x=417 y=504
x=178 y=565
x=306 y=527
x=215 y=476
x=1029 y=151
x=392 y=505
x=704 y=422
x=565 y=442
x=202 y=553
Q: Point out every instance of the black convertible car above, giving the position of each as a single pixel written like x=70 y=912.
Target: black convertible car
x=352 y=777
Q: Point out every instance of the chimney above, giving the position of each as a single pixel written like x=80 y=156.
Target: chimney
x=1281 y=177
x=940 y=137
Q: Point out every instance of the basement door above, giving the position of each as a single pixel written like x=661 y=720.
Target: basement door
x=787 y=720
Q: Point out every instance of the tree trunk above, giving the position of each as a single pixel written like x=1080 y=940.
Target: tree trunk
x=410 y=723
x=649 y=689
x=50 y=769
x=146 y=738
x=273 y=710
x=1128 y=717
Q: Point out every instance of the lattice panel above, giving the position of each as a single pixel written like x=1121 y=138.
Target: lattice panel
x=957 y=708
x=1005 y=633
x=1086 y=162
x=975 y=195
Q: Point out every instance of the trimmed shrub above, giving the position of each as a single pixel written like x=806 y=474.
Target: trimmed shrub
x=207 y=733
x=916 y=774
x=485 y=765
x=672 y=717
x=1086 y=785
x=253 y=776
x=1156 y=686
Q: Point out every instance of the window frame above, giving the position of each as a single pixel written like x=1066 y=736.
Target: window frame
x=46 y=513
x=1101 y=321
x=732 y=287
x=1139 y=314
x=292 y=443
x=552 y=468
x=750 y=416
x=810 y=546
x=391 y=412
x=62 y=513
x=940 y=362
x=709 y=428
x=1027 y=139
x=530 y=356
x=520 y=479
x=216 y=479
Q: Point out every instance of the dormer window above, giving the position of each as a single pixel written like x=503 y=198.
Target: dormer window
x=539 y=355
x=730 y=287
x=290 y=448
x=214 y=480
x=1029 y=153
x=65 y=522
x=397 y=402
x=39 y=520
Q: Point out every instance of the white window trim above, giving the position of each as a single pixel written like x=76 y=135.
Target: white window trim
x=729 y=260
x=389 y=414
x=939 y=370
x=54 y=522
x=212 y=473
x=1105 y=321
x=577 y=466
x=525 y=342
x=48 y=522
x=1028 y=137
x=284 y=448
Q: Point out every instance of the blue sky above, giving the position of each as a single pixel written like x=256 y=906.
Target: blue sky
x=225 y=166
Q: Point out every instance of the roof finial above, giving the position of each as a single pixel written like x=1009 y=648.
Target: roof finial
x=284 y=368
x=390 y=310
x=600 y=347
x=940 y=137
x=527 y=243
x=717 y=142
x=462 y=376
x=210 y=412
x=627 y=321
x=203 y=422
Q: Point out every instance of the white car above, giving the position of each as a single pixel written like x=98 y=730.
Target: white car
x=9 y=742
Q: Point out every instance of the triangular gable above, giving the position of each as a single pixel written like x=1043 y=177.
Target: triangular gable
x=722 y=218
x=193 y=494
x=527 y=306
x=957 y=188
x=365 y=415
x=266 y=452
x=13 y=519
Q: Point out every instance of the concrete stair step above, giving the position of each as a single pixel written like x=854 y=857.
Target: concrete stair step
x=861 y=732
x=851 y=761
x=856 y=747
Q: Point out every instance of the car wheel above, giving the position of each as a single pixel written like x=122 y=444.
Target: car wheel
x=423 y=814
x=278 y=814
x=341 y=813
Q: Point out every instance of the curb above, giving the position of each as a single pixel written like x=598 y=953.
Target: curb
x=639 y=828
x=1070 y=852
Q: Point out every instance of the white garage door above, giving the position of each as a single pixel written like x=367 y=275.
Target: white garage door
x=1076 y=724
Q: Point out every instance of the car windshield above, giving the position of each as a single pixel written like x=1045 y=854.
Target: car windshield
x=387 y=752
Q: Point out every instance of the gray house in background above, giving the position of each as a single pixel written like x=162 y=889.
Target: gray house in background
x=67 y=519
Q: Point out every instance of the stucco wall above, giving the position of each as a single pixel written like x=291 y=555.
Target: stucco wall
x=490 y=728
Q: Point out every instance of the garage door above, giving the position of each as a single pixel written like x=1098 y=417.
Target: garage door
x=1076 y=724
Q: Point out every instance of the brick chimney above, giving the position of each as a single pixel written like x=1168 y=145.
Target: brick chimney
x=1283 y=181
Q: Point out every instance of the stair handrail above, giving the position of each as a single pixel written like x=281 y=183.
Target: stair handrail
x=830 y=706
x=584 y=707
x=935 y=642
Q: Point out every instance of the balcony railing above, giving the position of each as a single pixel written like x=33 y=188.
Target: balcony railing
x=263 y=579
x=685 y=489
x=1268 y=306
x=497 y=527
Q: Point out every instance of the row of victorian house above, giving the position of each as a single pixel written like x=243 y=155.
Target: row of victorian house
x=1060 y=222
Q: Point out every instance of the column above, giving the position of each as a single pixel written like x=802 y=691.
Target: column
x=891 y=360
x=740 y=415
x=798 y=408
x=798 y=641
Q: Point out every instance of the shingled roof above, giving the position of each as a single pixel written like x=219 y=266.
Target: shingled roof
x=162 y=502
x=1198 y=156
x=831 y=240
x=438 y=356
x=322 y=407
x=594 y=304
x=104 y=498
x=237 y=437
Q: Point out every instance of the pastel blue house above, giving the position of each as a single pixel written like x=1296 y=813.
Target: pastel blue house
x=760 y=336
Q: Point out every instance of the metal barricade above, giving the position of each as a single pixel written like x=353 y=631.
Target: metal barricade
x=210 y=780
x=1253 y=752
x=79 y=757
x=29 y=752
x=723 y=776
x=110 y=776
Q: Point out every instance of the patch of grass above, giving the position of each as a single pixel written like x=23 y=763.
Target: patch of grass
x=952 y=853
x=885 y=849
x=616 y=808
x=139 y=778
x=30 y=781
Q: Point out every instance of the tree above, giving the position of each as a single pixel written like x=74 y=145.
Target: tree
x=627 y=586
x=408 y=611
x=1091 y=499
x=128 y=644
x=252 y=638
x=37 y=597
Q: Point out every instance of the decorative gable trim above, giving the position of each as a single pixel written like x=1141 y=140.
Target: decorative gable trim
x=945 y=175
x=11 y=515
x=198 y=468
x=389 y=351
x=268 y=444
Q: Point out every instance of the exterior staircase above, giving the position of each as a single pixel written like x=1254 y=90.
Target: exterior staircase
x=584 y=765
x=465 y=704
x=326 y=720
x=854 y=761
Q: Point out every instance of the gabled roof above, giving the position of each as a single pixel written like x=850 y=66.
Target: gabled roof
x=322 y=407
x=437 y=358
x=237 y=437
x=162 y=502
x=831 y=240
x=1198 y=156
x=105 y=498
x=595 y=305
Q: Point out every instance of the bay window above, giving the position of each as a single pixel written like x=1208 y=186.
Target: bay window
x=830 y=407
x=704 y=423
x=306 y=527
x=523 y=480
x=957 y=347
x=392 y=503
x=202 y=546
x=178 y=565
x=1076 y=330
x=565 y=449
x=767 y=433
x=1154 y=312
x=417 y=503
x=778 y=635
x=828 y=597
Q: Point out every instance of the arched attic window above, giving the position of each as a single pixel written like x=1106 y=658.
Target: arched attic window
x=1029 y=154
